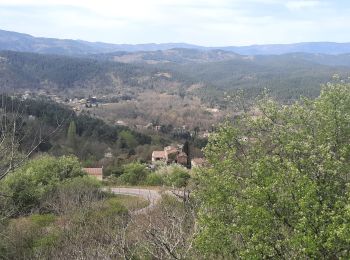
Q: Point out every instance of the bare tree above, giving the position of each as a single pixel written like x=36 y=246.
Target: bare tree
x=167 y=232
x=12 y=122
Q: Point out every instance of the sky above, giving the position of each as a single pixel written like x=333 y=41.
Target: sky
x=202 y=22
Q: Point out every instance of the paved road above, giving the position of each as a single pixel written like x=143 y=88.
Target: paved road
x=152 y=196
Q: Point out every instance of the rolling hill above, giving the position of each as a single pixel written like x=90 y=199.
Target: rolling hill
x=26 y=43
x=173 y=71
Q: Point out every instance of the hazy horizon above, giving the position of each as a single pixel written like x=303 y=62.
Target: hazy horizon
x=159 y=43
x=199 y=22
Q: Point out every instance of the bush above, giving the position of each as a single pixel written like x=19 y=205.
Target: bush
x=27 y=185
x=178 y=178
x=42 y=220
x=169 y=175
x=154 y=179
x=134 y=173
x=27 y=236
x=72 y=194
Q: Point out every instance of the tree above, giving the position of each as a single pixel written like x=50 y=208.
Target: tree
x=196 y=131
x=186 y=150
x=31 y=182
x=134 y=173
x=17 y=140
x=167 y=231
x=278 y=185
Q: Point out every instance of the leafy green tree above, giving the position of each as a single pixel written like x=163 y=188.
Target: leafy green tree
x=134 y=173
x=27 y=185
x=278 y=184
x=127 y=139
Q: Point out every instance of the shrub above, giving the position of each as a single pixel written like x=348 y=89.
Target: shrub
x=28 y=184
x=178 y=178
x=27 y=236
x=170 y=175
x=154 y=179
x=72 y=194
x=134 y=173
x=42 y=220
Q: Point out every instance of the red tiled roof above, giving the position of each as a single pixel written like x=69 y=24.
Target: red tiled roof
x=93 y=171
x=158 y=154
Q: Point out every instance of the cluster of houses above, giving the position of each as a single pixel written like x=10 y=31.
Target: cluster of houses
x=175 y=154
x=170 y=154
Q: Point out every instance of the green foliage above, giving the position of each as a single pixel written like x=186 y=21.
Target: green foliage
x=177 y=178
x=42 y=220
x=41 y=236
x=169 y=175
x=278 y=185
x=127 y=139
x=94 y=135
x=134 y=173
x=154 y=179
x=65 y=72
x=26 y=236
x=109 y=209
x=27 y=185
x=113 y=206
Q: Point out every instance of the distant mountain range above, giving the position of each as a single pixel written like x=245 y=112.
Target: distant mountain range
x=26 y=43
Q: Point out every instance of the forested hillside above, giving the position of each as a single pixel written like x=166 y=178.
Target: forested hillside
x=35 y=71
x=59 y=131
x=287 y=76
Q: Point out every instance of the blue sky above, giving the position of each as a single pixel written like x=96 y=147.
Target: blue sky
x=203 y=22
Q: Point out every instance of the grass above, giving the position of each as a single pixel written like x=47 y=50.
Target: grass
x=131 y=202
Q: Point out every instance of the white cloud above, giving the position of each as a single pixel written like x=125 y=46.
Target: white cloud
x=206 y=22
x=295 y=5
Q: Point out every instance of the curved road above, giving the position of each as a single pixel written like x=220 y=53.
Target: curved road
x=152 y=196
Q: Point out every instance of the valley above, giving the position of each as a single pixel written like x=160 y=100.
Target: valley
x=174 y=150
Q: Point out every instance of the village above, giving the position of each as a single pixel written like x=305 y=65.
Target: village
x=171 y=155
x=175 y=154
x=98 y=105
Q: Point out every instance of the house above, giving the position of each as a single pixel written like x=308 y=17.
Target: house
x=158 y=156
x=95 y=172
x=198 y=162
x=171 y=154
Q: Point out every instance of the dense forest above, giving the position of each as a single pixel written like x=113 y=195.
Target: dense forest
x=35 y=71
x=286 y=76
